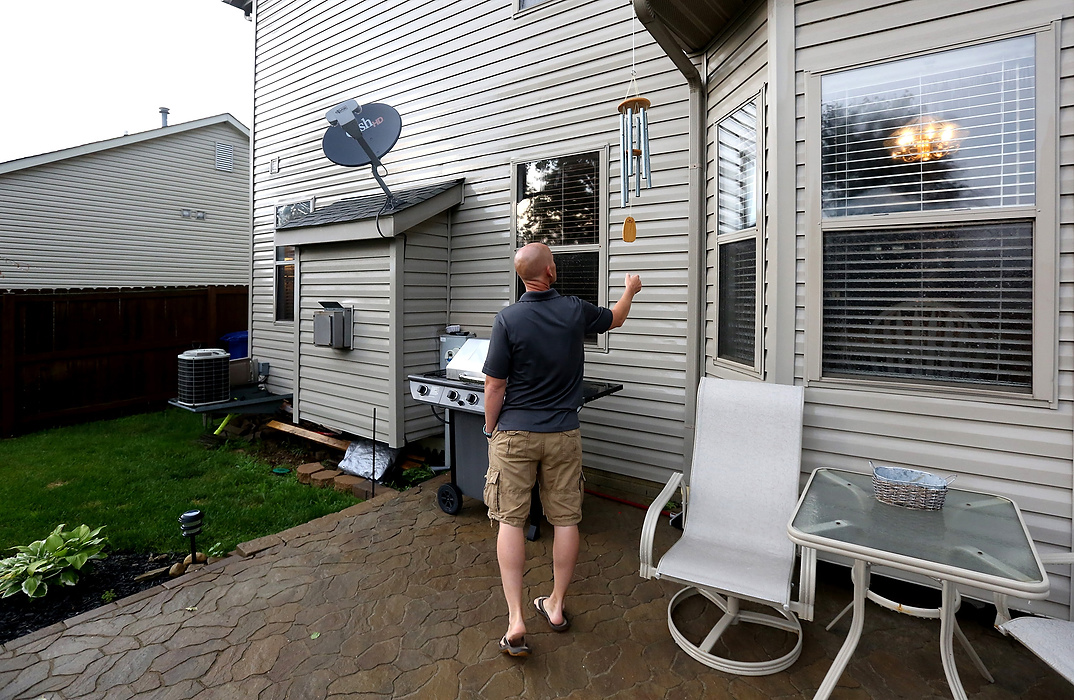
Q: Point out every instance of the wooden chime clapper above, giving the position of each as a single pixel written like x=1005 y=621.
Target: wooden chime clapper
x=633 y=155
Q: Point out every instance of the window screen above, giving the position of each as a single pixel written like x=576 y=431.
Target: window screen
x=954 y=129
x=736 y=334
x=947 y=305
x=576 y=275
x=736 y=184
x=737 y=174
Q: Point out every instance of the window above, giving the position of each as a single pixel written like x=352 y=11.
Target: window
x=284 y=261
x=525 y=4
x=737 y=235
x=929 y=172
x=561 y=202
x=285 y=283
x=288 y=212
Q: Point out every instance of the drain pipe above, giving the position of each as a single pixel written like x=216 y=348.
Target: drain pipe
x=696 y=217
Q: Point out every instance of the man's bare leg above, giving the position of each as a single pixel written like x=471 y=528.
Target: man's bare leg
x=511 y=553
x=564 y=557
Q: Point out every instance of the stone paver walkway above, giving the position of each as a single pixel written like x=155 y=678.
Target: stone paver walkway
x=394 y=599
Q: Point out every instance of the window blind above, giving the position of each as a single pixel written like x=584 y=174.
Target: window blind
x=984 y=94
x=950 y=305
x=558 y=201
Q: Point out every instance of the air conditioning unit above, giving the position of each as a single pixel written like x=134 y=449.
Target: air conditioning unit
x=204 y=377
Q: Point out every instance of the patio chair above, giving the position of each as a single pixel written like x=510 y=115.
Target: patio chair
x=1050 y=639
x=743 y=486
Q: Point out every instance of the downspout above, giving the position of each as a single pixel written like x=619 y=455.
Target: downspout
x=696 y=214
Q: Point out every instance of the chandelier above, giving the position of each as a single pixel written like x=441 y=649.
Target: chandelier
x=923 y=139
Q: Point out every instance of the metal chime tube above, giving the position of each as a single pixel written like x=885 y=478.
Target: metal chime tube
x=646 y=167
x=630 y=145
x=624 y=194
x=638 y=166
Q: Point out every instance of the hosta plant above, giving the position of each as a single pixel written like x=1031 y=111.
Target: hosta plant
x=59 y=556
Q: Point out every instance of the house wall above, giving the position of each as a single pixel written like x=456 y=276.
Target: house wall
x=737 y=72
x=424 y=302
x=111 y=218
x=339 y=388
x=1019 y=448
x=478 y=87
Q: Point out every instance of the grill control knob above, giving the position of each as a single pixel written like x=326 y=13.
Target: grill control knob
x=471 y=399
x=453 y=395
x=423 y=390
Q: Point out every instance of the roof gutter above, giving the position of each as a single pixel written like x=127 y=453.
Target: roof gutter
x=696 y=213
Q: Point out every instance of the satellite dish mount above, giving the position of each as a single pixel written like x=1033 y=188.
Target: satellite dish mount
x=352 y=141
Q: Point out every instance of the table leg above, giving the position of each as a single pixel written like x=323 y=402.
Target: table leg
x=947 y=634
x=861 y=588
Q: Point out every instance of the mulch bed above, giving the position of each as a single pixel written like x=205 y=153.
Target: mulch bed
x=99 y=581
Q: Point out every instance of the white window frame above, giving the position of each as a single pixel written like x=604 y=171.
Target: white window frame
x=756 y=232
x=1044 y=214
x=601 y=248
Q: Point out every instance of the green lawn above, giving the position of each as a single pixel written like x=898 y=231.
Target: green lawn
x=135 y=475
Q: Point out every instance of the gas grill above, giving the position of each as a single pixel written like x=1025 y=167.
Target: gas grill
x=459 y=389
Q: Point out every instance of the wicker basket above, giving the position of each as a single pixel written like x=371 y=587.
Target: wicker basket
x=909 y=488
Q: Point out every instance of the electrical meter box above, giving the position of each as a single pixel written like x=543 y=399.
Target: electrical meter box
x=332 y=326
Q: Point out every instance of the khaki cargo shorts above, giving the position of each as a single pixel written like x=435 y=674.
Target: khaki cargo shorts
x=518 y=459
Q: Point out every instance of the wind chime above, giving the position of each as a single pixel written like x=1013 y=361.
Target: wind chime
x=633 y=147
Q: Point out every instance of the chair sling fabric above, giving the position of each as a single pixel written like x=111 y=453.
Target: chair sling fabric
x=1050 y=639
x=743 y=487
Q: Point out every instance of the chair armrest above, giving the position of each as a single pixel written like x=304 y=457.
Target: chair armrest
x=1003 y=613
x=807 y=585
x=648 y=528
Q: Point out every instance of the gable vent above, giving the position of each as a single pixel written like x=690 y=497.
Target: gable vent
x=225 y=157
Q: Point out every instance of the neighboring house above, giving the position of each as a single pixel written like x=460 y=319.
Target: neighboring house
x=874 y=200
x=161 y=208
x=114 y=256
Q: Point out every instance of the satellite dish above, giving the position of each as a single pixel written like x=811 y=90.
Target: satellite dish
x=380 y=126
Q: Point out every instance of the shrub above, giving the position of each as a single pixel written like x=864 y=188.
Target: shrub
x=59 y=556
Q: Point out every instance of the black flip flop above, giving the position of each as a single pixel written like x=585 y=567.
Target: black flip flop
x=518 y=648
x=561 y=627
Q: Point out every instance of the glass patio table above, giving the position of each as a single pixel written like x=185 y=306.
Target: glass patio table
x=976 y=539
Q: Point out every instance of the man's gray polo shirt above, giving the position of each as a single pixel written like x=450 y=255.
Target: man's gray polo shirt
x=537 y=345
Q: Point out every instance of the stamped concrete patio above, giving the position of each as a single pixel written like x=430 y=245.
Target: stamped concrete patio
x=392 y=598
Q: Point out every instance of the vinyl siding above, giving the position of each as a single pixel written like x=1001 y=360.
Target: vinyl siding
x=478 y=88
x=1023 y=451
x=339 y=388
x=738 y=70
x=424 y=306
x=111 y=218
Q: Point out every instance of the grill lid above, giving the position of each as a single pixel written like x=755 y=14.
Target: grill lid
x=469 y=361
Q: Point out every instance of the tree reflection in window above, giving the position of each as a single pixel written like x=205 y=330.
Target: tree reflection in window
x=986 y=90
x=558 y=201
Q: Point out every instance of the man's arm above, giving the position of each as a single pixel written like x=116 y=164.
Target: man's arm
x=622 y=307
x=494 y=392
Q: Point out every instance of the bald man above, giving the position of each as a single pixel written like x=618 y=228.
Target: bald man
x=533 y=390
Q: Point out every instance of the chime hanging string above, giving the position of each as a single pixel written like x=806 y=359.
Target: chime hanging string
x=629 y=225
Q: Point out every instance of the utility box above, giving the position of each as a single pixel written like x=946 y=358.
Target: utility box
x=332 y=326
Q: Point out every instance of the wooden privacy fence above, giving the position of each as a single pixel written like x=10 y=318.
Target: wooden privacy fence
x=75 y=355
